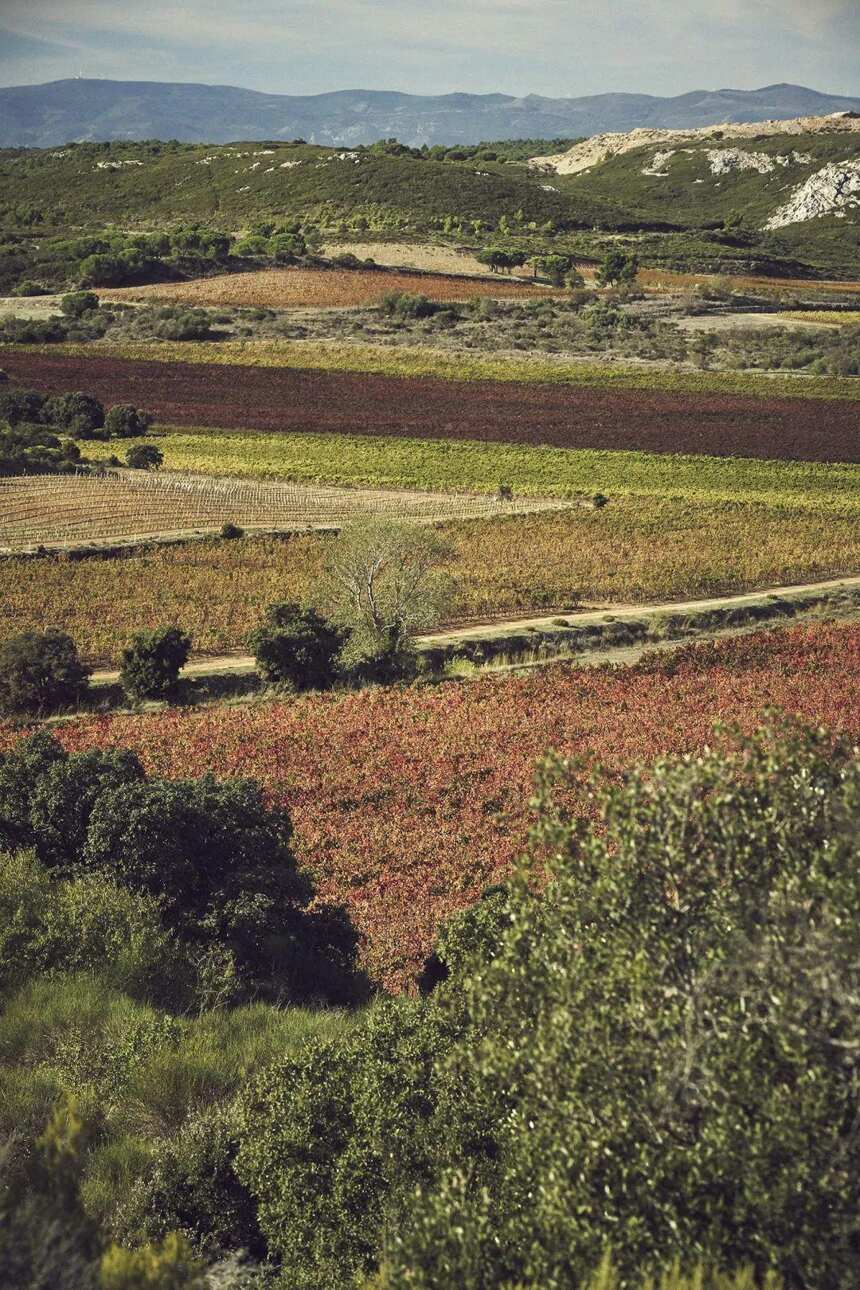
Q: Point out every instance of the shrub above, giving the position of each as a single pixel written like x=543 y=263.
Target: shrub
x=21 y=405
x=190 y=324
x=213 y=855
x=679 y=1084
x=144 y=456
x=40 y=672
x=170 y=1265
x=29 y=288
x=231 y=531
x=77 y=303
x=125 y=421
x=32 y=331
x=403 y=304
x=83 y=925
x=152 y=662
x=296 y=647
x=81 y=415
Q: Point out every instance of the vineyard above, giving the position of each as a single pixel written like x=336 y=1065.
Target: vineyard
x=322 y=288
x=407 y=803
x=58 y=510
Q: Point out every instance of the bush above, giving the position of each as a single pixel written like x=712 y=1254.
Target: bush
x=144 y=456
x=78 y=303
x=190 y=324
x=80 y=415
x=83 y=925
x=296 y=647
x=403 y=304
x=40 y=672
x=152 y=662
x=678 y=1086
x=125 y=421
x=18 y=406
x=213 y=855
x=231 y=531
x=29 y=288
x=32 y=331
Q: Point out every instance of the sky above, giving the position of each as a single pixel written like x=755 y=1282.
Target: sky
x=552 y=47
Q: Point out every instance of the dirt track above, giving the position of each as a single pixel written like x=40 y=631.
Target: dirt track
x=288 y=400
x=237 y=663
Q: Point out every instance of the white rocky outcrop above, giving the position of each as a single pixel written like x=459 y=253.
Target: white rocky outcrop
x=601 y=147
x=830 y=191
x=724 y=160
x=658 y=161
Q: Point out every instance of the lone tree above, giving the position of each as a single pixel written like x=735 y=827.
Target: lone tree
x=297 y=647
x=151 y=663
x=125 y=421
x=385 y=582
x=617 y=267
x=144 y=456
x=41 y=672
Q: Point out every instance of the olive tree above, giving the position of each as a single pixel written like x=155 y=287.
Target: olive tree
x=385 y=582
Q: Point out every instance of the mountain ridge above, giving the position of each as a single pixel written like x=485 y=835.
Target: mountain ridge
x=85 y=110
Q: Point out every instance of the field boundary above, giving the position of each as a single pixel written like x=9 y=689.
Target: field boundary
x=564 y=636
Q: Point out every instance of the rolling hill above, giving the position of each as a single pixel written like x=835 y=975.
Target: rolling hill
x=95 y=110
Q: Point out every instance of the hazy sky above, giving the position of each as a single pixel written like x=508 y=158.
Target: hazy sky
x=555 y=47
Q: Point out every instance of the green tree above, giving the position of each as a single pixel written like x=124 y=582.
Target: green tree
x=296 y=647
x=125 y=421
x=617 y=267
x=79 y=414
x=151 y=663
x=144 y=456
x=77 y=303
x=658 y=1051
x=40 y=672
x=384 y=579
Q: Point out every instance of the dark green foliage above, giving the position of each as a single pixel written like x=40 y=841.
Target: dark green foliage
x=231 y=531
x=296 y=646
x=617 y=267
x=403 y=304
x=40 y=672
x=658 y=1053
x=144 y=456
x=33 y=450
x=32 y=331
x=125 y=421
x=80 y=415
x=212 y=854
x=77 y=303
x=182 y=324
x=87 y=924
x=152 y=662
x=21 y=405
x=191 y=1186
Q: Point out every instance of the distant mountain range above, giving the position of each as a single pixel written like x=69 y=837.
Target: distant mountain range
x=43 y=116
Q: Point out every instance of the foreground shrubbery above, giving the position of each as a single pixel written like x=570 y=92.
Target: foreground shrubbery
x=681 y=1089
x=681 y=1086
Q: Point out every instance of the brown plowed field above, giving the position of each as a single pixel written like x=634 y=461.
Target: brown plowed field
x=275 y=399
x=323 y=288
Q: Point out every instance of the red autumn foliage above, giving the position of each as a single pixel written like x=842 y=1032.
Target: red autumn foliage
x=407 y=802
